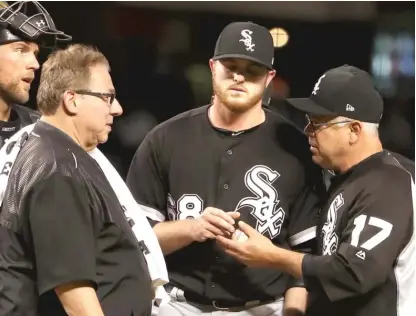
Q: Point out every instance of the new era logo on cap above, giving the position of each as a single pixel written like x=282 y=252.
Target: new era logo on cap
x=350 y=108
x=245 y=40
x=344 y=91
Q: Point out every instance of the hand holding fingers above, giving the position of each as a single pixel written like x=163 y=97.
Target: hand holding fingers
x=220 y=213
x=219 y=219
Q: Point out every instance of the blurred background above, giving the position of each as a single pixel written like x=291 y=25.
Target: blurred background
x=159 y=54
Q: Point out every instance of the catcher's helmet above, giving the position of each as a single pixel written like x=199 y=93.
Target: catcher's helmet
x=28 y=21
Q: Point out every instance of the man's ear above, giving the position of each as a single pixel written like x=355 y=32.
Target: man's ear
x=355 y=131
x=270 y=76
x=212 y=66
x=69 y=102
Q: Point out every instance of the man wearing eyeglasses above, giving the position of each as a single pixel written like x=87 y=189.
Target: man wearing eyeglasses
x=366 y=232
x=65 y=241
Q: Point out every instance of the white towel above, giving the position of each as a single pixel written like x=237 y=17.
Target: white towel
x=141 y=228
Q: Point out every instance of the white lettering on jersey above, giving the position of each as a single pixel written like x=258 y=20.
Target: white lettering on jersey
x=259 y=180
x=330 y=238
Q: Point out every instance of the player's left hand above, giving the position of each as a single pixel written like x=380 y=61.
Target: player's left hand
x=254 y=251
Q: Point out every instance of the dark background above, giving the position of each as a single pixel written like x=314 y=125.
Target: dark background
x=159 y=57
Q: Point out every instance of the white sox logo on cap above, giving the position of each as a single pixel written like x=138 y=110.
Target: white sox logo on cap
x=247 y=40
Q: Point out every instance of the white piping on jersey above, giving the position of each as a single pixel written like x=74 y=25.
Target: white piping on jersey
x=75 y=158
x=404 y=271
x=35 y=135
x=402 y=167
x=303 y=236
x=152 y=213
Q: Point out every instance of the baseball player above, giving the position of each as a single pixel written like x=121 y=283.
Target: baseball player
x=21 y=36
x=366 y=241
x=201 y=171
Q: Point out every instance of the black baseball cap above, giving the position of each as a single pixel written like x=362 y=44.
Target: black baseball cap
x=245 y=40
x=344 y=91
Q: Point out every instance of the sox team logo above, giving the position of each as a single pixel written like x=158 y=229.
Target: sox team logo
x=259 y=180
x=330 y=238
x=247 y=40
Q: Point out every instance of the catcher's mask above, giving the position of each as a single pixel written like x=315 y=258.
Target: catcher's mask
x=28 y=21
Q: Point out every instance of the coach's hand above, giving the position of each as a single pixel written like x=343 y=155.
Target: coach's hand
x=213 y=222
x=253 y=251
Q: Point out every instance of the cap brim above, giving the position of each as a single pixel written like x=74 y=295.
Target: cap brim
x=242 y=57
x=308 y=106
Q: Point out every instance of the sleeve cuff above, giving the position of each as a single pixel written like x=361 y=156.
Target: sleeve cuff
x=309 y=272
x=54 y=284
x=296 y=283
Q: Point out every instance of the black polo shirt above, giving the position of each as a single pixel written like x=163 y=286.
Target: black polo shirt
x=60 y=223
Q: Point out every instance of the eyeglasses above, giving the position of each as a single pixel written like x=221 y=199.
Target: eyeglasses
x=316 y=126
x=107 y=97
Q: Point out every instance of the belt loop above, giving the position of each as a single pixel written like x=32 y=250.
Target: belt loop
x=214 y=303
x=252 y=303
x=173 y=293
x=177 y=294
x=180 y=294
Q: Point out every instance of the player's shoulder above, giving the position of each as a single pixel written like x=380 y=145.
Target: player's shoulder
x=181 y=123
x=406 y=163
x=386 y=173
x=288 y=136
x=26 y=115
x=279 y=118
x=48 y=147
x=183 y=119
x=285 y=128
x=392 y=167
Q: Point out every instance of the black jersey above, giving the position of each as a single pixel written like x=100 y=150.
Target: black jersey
x=266 y=173
x=366 y=241
x=20 y=117
x=61 y=222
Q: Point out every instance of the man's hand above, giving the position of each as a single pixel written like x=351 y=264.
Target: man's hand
x=258 y=251
x=253 y=251
x=213 y=222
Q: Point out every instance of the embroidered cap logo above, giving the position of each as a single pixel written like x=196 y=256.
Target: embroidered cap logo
x=247 y=40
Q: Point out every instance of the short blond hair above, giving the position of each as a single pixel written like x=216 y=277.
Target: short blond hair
x=66 y=69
